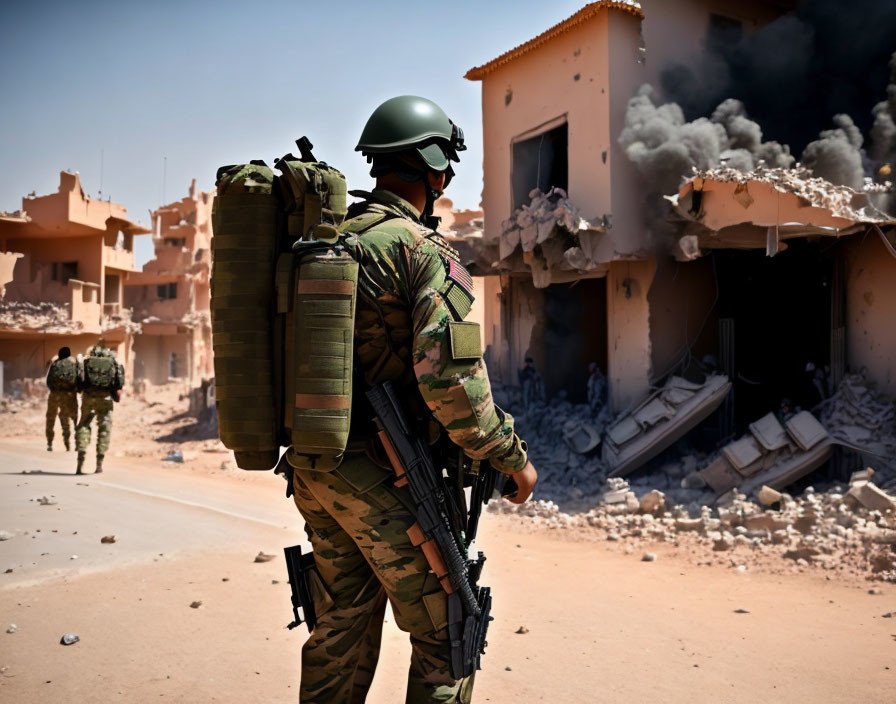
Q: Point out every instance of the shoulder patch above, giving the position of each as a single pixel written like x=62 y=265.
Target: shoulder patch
x=458 y=292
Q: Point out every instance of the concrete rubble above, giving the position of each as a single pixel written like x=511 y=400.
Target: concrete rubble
x=843 y=529
x=549 y=233
x=834 y=526
x=51 y=317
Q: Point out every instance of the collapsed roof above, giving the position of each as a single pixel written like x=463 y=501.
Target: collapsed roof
x=727 y=208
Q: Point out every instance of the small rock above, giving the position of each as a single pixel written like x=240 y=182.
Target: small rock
x=689 y=524
x=521 y=630
x=264 y=557
x=275 y=581
x=649 y=557
x=768 y=496
x=195 y=604
x=508 y=668
x=889 y=614
x=871 y=497
x=863 y=475
x=73 y=557
x=12 y=628
x=741 y=611
x=723 y=543
x=653 y=502
x=107 y=539
x=875 y=591
x=4 y=535
x=173 y=456
x=46 y=501
x=225 y=579
x=69 y=639
x=8 y=570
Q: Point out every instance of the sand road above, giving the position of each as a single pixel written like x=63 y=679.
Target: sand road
x=602 y=626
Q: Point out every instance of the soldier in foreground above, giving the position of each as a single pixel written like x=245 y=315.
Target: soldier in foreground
x=100 y=383
x=62 y=380
x=412 y=290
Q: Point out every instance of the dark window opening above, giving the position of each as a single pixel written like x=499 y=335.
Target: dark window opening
x=540 y=162
x=167 y=291
x=176 y=241
x=723 y=33
x=63 y=271
x=111 y=287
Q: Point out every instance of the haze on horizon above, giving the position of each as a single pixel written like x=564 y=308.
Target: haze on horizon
x=142 y=98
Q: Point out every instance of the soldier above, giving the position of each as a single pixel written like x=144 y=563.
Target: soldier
x=597 y=388
x=101 y=381
x=62 y=380
x=411 y=286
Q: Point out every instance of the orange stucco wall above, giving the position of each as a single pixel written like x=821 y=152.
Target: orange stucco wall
x=871 y=320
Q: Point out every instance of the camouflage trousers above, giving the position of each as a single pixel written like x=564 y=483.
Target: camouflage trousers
x=65 y=405
x=358 y=527
x=99 y=407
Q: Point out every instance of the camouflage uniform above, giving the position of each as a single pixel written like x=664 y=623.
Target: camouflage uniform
x=95 y=404
x=355 y=518
x=65 y=405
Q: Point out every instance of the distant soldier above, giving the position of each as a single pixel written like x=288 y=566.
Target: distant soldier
x=101 y=381
x=597 y=388
x=530 y=381
x=62 y=380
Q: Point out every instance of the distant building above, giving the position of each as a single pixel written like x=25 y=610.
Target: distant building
x=170 y=297
x=64 y=261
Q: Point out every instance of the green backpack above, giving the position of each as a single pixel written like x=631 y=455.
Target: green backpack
x=283 y=307
x=63 y=375
x=101 y=374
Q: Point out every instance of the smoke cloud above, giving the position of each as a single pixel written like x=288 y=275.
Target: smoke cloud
x=665 y=146
x=827 y=58
x=837 y=154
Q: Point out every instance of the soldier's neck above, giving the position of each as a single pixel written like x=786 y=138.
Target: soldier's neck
x=413 y=193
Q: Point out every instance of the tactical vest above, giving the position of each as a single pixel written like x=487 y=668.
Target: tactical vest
x=63 y=375
x=283 y=291
x=101 y=374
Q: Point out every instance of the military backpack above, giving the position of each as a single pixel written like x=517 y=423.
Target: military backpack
x=101 y=374
x=283 y=309
x=63 y=375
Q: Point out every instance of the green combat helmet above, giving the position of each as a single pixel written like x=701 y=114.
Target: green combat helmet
x=409 y=136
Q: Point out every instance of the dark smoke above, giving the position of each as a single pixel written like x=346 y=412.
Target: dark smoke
x=827 y=58
x=665 y=147
x=837 y=154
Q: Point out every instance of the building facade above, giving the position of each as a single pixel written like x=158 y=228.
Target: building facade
x=170 y=296
x=64 y=261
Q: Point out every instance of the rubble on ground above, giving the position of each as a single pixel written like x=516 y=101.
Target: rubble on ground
x=846 y=528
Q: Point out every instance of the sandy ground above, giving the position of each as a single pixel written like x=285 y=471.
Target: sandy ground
x=603 y=626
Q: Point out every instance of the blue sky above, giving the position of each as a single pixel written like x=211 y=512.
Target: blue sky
x=211 y=83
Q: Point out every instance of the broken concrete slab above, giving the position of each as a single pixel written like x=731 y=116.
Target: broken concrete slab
x=869 y=496
x=768 y=496
x=769 y=433
x=653 y=502
x=805 y=430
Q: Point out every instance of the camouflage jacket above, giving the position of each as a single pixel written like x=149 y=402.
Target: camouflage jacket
x=413 y=294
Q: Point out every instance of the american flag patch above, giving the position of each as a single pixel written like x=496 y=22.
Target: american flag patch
x=459 y=275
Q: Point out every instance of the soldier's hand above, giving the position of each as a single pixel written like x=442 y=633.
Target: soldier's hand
x=525 y=480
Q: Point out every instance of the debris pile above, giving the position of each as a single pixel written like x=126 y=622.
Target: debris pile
x=861 y=419
x=49 y=317
x=850 y=529
x=550 y=233
x=841 y=201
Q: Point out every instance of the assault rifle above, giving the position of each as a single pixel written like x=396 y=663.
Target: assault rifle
x=299 y=566
x=442 y=530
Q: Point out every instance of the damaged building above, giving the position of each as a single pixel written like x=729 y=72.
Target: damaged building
x=763 y=293
x=170 y=296
x=64 y=261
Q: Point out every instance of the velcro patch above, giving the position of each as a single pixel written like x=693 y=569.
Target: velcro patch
x=466 y=340
x=458 y=273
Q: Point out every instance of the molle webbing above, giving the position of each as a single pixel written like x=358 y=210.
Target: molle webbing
x=243 y=253
x=319 y=392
